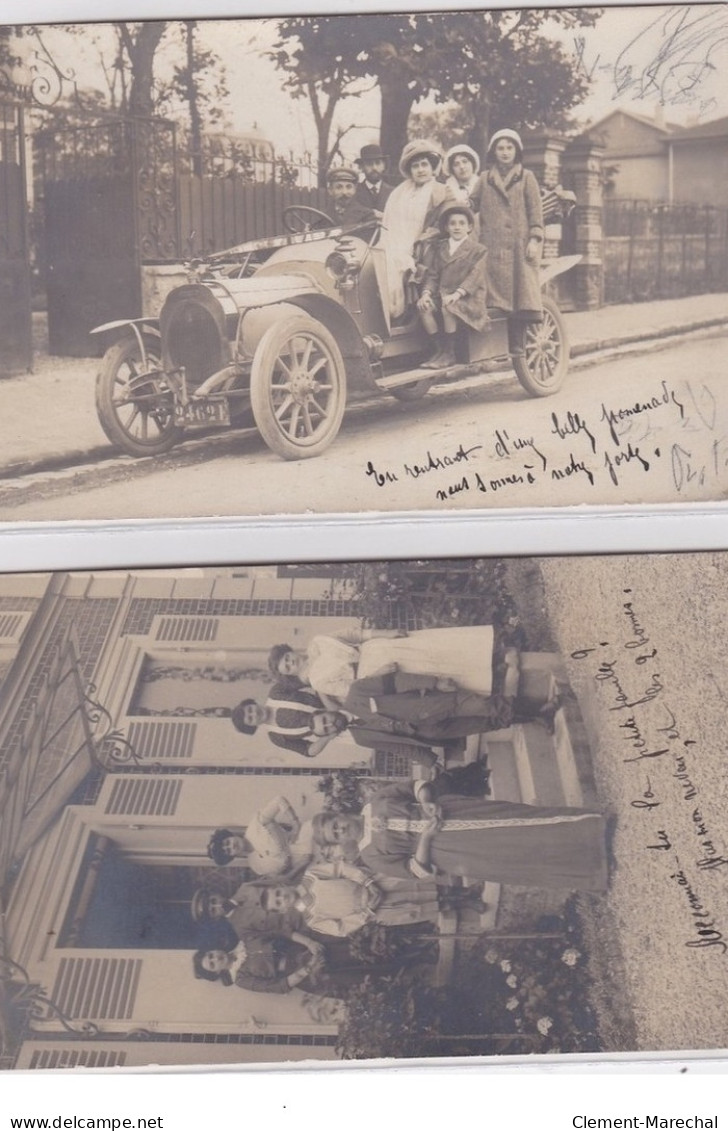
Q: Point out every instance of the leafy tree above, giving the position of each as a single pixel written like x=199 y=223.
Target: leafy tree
x=140 y=42
x=500 y=67
x=199 y=84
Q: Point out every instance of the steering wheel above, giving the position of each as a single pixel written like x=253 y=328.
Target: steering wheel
x=302 y=218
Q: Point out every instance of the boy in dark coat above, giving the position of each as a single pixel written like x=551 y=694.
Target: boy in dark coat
x=454 y=284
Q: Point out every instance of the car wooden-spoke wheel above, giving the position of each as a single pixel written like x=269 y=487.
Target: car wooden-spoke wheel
x=134 y=402
x=298 y=387
x=542 y=366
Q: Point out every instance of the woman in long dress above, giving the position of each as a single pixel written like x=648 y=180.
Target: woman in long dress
x=501 y=841
x=411 y=209
x=473 y=657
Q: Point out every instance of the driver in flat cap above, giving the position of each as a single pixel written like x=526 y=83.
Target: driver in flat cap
x=341 y=184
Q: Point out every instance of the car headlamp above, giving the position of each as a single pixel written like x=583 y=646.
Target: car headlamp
x=337 y=265
x=343 y=264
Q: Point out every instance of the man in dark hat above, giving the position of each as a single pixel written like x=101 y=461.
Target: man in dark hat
x=341 y=184
x=373 y=190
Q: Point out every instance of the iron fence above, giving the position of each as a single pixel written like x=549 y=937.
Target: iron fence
x=15 y=314
x=654 y=250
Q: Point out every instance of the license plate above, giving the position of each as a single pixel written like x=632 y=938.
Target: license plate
x=202 y=414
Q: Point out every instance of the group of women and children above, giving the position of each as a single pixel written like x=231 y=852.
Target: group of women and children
x=392 y=862
x=456 y=240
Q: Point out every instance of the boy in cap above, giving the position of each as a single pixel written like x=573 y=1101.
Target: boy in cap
x=373 y=191
x=454 y=284
x=341 y=184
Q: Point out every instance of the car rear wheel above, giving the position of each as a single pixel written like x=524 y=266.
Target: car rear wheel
x=133 y=401
x=298 y=387
x=545 y=360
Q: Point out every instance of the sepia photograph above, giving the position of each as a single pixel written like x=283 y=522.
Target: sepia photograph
x=314 y=264
x=413 y=809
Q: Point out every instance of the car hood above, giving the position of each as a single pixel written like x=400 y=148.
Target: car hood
x=260 y=290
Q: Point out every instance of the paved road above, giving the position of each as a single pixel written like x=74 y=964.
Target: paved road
x=644 y=427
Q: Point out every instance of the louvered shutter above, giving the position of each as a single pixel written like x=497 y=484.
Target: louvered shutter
x=77 y=1058
x=186 y=629
x=12 y=625
x=93 y=989
x=159 y=739
x=144 y=797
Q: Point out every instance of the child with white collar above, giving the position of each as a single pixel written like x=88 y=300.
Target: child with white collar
x=454 y=285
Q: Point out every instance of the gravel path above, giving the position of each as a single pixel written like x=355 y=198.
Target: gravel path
x=661 y=767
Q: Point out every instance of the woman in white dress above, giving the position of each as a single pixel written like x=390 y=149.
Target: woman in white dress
x=465 y=655
x=411 y=210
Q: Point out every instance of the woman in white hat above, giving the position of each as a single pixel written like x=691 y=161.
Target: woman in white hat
x=410 y=211
x=462 y=165
x=508 y=202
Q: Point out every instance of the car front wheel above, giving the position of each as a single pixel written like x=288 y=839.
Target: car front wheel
x=134 y=402
x=542 y=367
x=298 y=387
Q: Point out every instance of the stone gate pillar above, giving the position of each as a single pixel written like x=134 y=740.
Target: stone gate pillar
x=582 y=173
x=542 y=153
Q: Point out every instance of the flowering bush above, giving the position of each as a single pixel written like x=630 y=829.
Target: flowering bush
x=344 y=791
x=540 y=984
x=426 y=594
x=518 y=996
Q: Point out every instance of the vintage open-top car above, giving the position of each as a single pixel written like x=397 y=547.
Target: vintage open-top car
x=290 y=330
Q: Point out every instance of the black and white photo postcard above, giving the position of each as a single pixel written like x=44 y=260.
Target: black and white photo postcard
x=315 y=264
x=395 y=809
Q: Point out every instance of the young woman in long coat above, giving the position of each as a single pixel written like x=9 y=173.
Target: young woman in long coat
x=508 y=202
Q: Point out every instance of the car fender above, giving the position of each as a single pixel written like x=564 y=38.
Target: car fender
x=150 y=325
x=552 y=268
x=141 y=328
x=255 y=321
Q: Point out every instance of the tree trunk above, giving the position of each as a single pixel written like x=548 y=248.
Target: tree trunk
x=141 y=52
x=193 y=101
x=479 y=133
x=397 y=100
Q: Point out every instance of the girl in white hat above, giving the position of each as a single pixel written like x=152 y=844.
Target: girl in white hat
x=508 y=202
x=462 y=166
x=410 y=211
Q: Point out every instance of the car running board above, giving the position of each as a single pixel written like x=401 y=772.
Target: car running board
x=451 y=373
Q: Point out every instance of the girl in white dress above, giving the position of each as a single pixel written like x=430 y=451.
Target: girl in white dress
x=330 y=664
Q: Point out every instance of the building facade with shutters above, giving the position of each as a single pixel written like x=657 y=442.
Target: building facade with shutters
x=118 y=762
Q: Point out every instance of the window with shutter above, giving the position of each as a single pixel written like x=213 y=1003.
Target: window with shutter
x=94 y=989
x=159 y=739
x=144 y=797
x=186 y=630
x=77 y=1058
x=12 y=625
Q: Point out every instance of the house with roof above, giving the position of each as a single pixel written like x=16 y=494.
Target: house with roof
x=697 y=163
x=652 y=159
x=635 y=158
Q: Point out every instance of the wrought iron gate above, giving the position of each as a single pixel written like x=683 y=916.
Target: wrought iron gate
x=15 y=311
x=124 y=193
x=109 y=199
